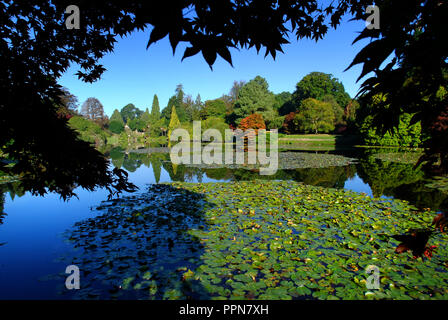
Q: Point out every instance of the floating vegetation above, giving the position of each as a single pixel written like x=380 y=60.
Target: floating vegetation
x=439 y=183
x=258 y=240
x=290 y=160
x=401 y=157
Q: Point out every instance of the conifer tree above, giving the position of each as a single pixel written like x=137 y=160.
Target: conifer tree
x=174 y=123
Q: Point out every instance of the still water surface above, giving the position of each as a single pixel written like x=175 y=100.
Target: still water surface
x=31 y=235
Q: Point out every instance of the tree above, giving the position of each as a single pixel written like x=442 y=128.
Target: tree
x=69 y=101
x=116 y=116
x=235 y=91
x=92 y=109
x=179 y=93
x=289 y=125
x=174 y=124
x=254 y=97
x=197 y=107
x=116 y=124
x=35 y=52
x=318 y=85
x=338 y=110
x=213 y=108
x=350 y=111
x=405 y=135
x=146 y=119
x=155 y=110
x=215 y=123
x=254 y=121
x=177 y=100
x=284 y=103
x=315 y=116
x=275 y=123
x=89 y=131
x=407 y=62
x=116 y=127
x=188 y=105
x=130 y=112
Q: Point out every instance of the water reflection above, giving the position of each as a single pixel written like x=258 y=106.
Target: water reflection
x=381 y=178
x=29 y=235
x=384 y=178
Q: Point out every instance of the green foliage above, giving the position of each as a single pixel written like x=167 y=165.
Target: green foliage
x=130 y=112
x=146 y=119
x=123 y=140
x=155 y=128
x=385 y=177
x=317 y=85
x=215 y=123
x=254 y=97
x=350 y=112
x=405 y=135
x=275 y=123
x=284 y=103
x=116 y=116
x=155 y=109
x=337 y=109
x=174 y=124
x=137 y=124
x=418 y=53
x=257 y=240
x=177 y=101
x=315 y=116
x=213 y=108
x=89 y=130
x=116 y=127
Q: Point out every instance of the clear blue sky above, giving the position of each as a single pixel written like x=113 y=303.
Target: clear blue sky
x=135 y=74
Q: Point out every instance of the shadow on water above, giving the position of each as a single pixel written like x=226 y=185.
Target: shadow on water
x=140 y=247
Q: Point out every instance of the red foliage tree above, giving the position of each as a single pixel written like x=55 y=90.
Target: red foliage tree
x=254 y=121
x=288 y=124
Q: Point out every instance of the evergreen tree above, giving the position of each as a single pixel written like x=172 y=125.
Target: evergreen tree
x=146 y=118
x=116 y=116
x=197 y=107
x=155 y=110
x=174 y=123
x=254 y=97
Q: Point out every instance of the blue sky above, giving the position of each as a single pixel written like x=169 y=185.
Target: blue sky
x=135 y=74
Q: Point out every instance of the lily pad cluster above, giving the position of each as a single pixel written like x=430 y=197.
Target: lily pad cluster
x=438 y=183
x=257 y=240
x=288 y=161
x=138 y=248
x=401 y=157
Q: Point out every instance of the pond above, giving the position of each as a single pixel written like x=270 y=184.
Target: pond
x=35 y=231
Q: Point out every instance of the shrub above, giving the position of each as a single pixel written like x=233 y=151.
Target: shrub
x=254 y=121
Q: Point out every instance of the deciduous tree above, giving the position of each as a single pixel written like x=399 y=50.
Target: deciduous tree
x=318 y=85
x=315 y=116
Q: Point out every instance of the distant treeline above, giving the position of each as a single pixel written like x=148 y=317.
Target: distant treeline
x=319 y=104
